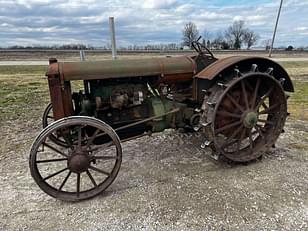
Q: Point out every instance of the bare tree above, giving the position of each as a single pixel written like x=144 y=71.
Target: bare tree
x=219 y=42
x=190 y=33
x=267 y=44
x=235 y=34
x=207 y=38
x=207 y=35
x=250 y=38
x=216 y=43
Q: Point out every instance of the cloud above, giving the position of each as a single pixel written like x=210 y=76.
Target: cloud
x=27 y=22
x=159 y=4
x=301 y=28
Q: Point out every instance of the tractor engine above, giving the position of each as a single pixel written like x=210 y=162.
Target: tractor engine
x=121 y=103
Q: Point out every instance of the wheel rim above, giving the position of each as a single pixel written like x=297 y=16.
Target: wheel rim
x=249 y=116
x=85 y=167
x=47 y=116
x=49 y=119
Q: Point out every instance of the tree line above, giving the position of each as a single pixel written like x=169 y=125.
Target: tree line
x=234 y=37
x=54 y=47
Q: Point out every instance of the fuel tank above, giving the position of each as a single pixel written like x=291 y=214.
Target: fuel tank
x=184 y=66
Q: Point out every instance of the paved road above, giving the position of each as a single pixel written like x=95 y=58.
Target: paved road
x=21 y=63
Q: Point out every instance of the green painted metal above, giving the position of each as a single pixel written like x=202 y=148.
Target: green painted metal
x=250 y=119
x=160 y=107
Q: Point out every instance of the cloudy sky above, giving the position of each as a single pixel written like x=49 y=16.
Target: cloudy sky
x=46 y=22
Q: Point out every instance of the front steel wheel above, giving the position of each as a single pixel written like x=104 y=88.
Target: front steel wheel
x=48 y=119
x=83 y=168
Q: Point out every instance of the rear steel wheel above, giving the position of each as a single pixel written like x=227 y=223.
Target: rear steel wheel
x=87 y=164
x=247 y=116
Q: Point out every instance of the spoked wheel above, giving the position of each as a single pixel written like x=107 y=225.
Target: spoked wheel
x=47 y=119
x=248 y=116
x=85 y=167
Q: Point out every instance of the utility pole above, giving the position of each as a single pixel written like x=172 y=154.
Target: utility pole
x=82 y=55
x=275 y=30
x=86 y=82
x=113 y=40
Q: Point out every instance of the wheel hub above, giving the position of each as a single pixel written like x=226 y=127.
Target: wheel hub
x=250 y=119
x=79 y=162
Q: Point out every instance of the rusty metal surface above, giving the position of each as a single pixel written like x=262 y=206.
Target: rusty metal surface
x=244 y=123
x=56 y=96
x=124 y=68
x=219 y=66
x=60 y=92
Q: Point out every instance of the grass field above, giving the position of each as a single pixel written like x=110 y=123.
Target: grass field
x=298 y=102
x=24 y=88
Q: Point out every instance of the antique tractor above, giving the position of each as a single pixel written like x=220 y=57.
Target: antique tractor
x=238 y=104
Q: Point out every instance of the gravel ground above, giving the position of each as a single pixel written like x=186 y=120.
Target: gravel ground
x=165 y=183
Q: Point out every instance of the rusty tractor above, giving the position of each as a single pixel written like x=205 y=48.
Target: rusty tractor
x=238 y=104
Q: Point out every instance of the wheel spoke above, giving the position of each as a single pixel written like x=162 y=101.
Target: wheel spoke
x=259 y=131
x=69 y=143
x=51 y=160
x=269 y=109
x=99 y=170
x=102 y=146
x=245 y=94
x=64 y=181
x=254 y=97
x=105 y=157
x=54 y=174
x=265 y=97
x=90 y=141
x=101 y=134
x=54 y=149
x=78 y=184
x=50 y=117
x=234 y=102
x=229 y=140
x=228 y=144
x=91 y=178
x=266 y=121
x=241 y=139
x=264 y=105
x=250 y=141
x=79 y=136
x=225 y=113
x=227 y=127
x=261 y=128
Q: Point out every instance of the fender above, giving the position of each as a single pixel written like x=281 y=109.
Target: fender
x=227 y=65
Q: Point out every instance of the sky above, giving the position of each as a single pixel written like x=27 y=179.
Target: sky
x=141 y=22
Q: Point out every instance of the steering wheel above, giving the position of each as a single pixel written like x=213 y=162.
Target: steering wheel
x=199 y=47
